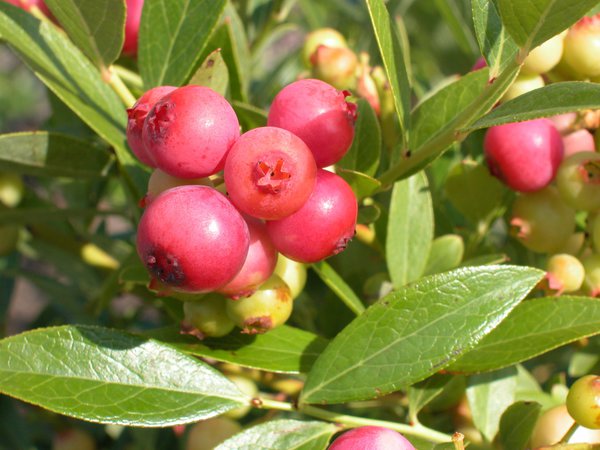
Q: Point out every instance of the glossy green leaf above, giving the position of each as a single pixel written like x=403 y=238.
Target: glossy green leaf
x=517 y=423
x=362 y=185
x=496 y=45
x=393 y=58
x=282 y=434
x=532 y=22
x=489 y=395
x=284 y=349
x=410 y=229
x=445 y=254
x=173 y=34
x=523 y=335
x=108 y=376
x=337 y=284
x=364 y=153
x=51 y=154
x=416 y=331
x=212 y=73
x=97 y=27
x=72 y=77
x=435 y=115
x=420 y=394
x=556 y=98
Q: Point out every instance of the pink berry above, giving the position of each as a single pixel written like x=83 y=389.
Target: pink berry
x=524 y=155
x=578 y=141
x=564 y=122
x=189 y=132
x=323 y=226
x=136 y=115
x=319 y=115
x=259 y=264
x=371 y=438
x=479 y=64
x=192 y=239
x=132 y=26
x=269 y=173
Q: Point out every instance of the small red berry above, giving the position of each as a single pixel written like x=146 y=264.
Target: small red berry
x=192 y=239
x=319 y=115
x=371 y=438
x=136 y=115
x=189 y=132
x=323 y=226
x=524 y=155
x=269 y=173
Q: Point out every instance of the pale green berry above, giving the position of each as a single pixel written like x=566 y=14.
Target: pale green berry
x=583 y=401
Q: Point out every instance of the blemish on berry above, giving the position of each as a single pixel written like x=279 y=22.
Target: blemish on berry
x=257 y=325
x=165 y=268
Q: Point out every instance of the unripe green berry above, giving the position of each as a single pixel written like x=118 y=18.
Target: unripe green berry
x=542 y=221
x=523 y=84
x=11 y=189
x=582 y=46
x=574 y=244
x=269 y=307
x=583 y=401
x=565 y=273
x=293 y=273
x=591 y=283
x=322 y=36
x=336 y=66
x=207 y=434
x=207 y=316
x=578 y=181
x=246 y=386
x=544 y=57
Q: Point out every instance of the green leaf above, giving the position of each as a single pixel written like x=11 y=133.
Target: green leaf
x=212 y=73
x=250 y=116
x=422 y=393
x=97 y=27
x=364 y=153
x=72 y=77
x=284 y=349
x=461 y=29
x=392 y=54
x=282 y=434
x=362 y=185
x=416 y=331
x=108 y=376
x=445 y=254
x=436 y=114
x=517 y=423
x=556 y=98
x=496 y=45
x=489 y=395
x=532 y=22
x=523 y=335
x=53 y=155
x=409 y=229
x=337 y=284
x=173 y=34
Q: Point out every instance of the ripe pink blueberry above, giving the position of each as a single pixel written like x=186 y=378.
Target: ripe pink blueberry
x=371 y=438
x=269 y=173
x=189 y=132
x=323 y=226
x=524 y=155
x=192 y=239
x=578 y=141
x=132 y=26
x=259 y=264
x=136 y=115
x=319 y=115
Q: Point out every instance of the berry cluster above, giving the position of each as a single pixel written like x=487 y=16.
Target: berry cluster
x=553 y=166
x=221 y=206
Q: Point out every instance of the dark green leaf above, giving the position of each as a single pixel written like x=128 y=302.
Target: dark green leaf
x=393 y=58
x=364 y=154
x=517 y=423
x=50 y=154
x=416 y=331
x=97 y=27
x=556 y=98
x=489 y=395
x=495 y=43
x=422 y=393
x=282 y=434
x=445 y=254
x=108 y=376
x=362 y=185
x=532 y=22
x=212 y=73
x=337 y=284
x=523 y=335
x=284 y=349
x=410 y=229
x=173 y=34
